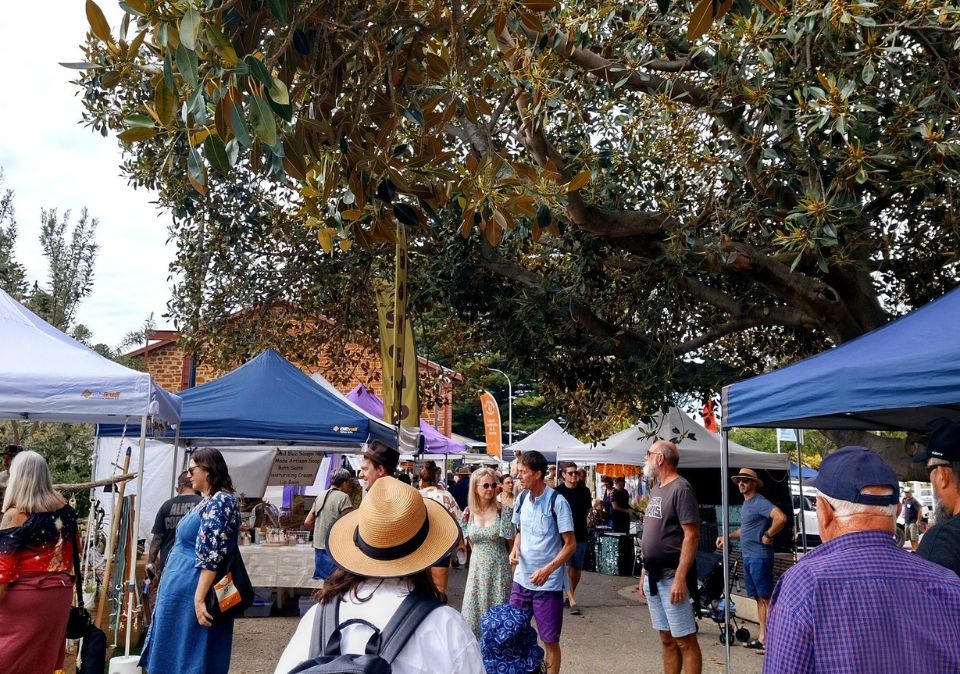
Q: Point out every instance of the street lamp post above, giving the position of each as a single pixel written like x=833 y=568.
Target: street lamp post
x=509 y=405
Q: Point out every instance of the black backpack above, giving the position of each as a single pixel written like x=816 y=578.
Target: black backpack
x=382 y=648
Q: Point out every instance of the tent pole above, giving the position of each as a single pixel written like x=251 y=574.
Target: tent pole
x=725 y=522
x=132 y=583
x=803 y=501
x=176 y=473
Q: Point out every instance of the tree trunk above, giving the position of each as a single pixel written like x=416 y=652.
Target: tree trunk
x=897 y=452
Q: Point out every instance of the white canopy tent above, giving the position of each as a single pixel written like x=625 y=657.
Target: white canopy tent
x=548 y=440
x=46 y=375
x=699 y=448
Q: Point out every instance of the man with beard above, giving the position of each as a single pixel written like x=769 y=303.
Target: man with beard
x=671 y=531
x=941 y=544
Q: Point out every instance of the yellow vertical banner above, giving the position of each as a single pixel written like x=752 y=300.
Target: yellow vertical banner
x=491 y=424
x=397 y=350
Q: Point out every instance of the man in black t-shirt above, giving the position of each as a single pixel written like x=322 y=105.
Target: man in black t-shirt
x=578 y=496
x=168 y=517
x=912 y=515
x=620 y=506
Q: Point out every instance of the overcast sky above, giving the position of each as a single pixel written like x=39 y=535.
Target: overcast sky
x=51 y=161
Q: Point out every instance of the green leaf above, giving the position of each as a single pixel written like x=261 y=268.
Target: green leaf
x=406 y=214
x=168 y=74
x=139 y=121
x=216 y=153
x=134 y=7
x=259 y=71
x=868 y=72
x=187 y=65
x=264 y=124
x=278 y=91
x=190 y=28
x=194 y=164
x=233 y=151
x=82 y=65
x=413 y=115
x=279 y=10
x=165 y=103
x=240 y=126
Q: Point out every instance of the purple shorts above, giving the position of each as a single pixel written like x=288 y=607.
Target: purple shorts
x=546 y=606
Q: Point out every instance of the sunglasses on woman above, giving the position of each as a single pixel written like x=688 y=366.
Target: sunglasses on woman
x=487 y=485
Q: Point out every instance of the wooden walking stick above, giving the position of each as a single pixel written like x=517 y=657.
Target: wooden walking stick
x=114 y=526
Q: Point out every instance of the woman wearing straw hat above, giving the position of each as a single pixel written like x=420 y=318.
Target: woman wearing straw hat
x=384 y=550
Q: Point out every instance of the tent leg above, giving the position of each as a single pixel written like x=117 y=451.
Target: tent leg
x=725 y=511
x=132 y=583
x=176 y=473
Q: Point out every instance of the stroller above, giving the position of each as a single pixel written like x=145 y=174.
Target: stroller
x=710 y=584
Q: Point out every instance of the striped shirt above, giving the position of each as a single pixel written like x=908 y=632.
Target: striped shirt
x=858 y=603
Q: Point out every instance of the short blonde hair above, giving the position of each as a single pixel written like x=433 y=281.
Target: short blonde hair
x=30 y=489
x=472 y=500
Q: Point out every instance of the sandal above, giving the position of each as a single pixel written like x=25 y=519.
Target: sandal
x=575 y=610
x=755 y=644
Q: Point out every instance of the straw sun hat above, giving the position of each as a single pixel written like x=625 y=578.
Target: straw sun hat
x=748 y=474
x=394 y=533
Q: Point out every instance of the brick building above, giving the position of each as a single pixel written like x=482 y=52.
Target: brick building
x=170 y=367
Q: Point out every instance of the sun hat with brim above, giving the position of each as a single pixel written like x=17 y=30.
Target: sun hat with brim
x=394 y=533
x=508 y=643
x=748 y=474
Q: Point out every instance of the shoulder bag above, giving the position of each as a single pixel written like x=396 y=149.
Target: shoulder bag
x=231 y=593
x=79 y=624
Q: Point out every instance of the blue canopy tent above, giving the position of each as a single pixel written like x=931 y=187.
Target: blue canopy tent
x=900 y=376
x=807 y=472
x=270 y=399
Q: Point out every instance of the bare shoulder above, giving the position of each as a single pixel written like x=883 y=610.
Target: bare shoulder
x=13 y=518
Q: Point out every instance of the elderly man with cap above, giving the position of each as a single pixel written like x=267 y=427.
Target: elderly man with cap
x=941 y=544
x=858 y=602
x=760 y=522
x=9 y=452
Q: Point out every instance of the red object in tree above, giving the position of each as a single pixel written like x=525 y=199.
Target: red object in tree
x=709 y=418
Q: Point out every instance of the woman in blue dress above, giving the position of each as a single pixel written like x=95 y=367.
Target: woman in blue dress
x=182 y=639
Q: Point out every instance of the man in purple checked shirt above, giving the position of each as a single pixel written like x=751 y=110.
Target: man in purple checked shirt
x=859 y=603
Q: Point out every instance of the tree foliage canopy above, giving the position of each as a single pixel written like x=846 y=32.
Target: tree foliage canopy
x=623 y=211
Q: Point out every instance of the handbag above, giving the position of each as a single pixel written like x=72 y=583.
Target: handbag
x=79 y=623
x=231 y=593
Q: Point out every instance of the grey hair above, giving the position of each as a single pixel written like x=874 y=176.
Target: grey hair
x=848 y=508
x=339 y=476
x=30 y=489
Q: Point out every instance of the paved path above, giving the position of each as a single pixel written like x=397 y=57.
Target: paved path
x=613 y=636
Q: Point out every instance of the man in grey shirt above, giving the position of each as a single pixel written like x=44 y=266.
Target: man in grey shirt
x=327 y=509
x=671 y=531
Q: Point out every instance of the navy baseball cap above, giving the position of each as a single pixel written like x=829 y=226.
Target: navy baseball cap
x=943 y=442
x=845 y=473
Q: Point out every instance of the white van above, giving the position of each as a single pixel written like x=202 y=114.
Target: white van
x=809 y=515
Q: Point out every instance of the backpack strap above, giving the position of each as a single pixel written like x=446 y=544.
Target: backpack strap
x=324 y=625
x=403 y=624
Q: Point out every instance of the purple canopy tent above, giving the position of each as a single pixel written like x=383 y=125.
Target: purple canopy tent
x=436 y=442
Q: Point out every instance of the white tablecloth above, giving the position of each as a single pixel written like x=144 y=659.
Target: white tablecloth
x=279 y=566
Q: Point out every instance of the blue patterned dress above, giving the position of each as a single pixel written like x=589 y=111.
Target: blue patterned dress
x=177 y=643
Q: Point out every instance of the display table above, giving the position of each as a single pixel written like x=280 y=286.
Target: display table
x=280 y=566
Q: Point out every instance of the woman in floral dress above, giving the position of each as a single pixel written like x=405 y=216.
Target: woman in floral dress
x=488 y=529
x=182 y=637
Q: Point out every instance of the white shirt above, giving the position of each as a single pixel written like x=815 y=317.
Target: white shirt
x=442 y=644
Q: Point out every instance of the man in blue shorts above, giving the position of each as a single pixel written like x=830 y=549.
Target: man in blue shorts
x=760 y=521
x=543 y=544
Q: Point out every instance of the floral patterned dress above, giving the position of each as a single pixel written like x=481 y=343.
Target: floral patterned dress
x=490 y=577
x=176 y=641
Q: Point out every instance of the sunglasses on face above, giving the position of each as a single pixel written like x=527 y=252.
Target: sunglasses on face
x=933 y=466
x=487 y=485
x=193 y=468
x=571 y=473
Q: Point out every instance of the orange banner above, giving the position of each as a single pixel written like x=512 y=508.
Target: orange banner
x=491 y=424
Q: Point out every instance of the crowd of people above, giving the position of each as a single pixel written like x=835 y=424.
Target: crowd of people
x=385 y=567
